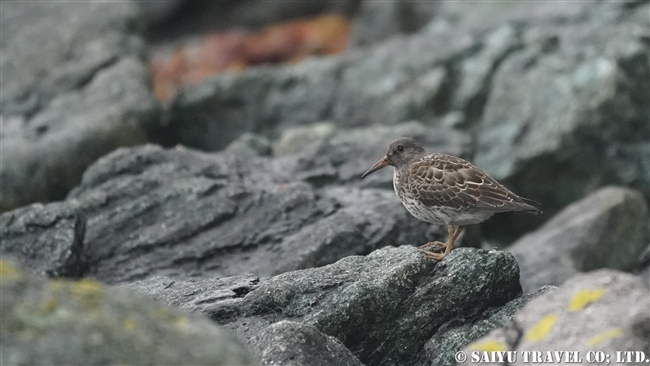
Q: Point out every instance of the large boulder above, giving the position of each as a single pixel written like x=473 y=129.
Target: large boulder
x=59 y=322
x=608 y=229
x=603 y=311
x=391 y=307
x=150 y=211
x=74 y=87
x=568 y=111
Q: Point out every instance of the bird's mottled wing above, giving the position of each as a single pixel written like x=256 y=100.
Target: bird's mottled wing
x=447 y=181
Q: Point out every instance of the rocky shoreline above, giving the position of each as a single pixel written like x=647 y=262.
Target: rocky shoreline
x=230 y=226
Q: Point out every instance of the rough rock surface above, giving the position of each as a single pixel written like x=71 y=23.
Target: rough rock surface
x=74 y=87
x=383 y=307
x=197 y=295
x=152 y=211
x=47 y=240
x=297 y=344
x=378 y=20
x=567 y=112
x=605 y=310
x=607 y=229
x=60 y=322
x=453 y=336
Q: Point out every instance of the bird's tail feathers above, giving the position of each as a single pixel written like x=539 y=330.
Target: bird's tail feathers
x=534 y=207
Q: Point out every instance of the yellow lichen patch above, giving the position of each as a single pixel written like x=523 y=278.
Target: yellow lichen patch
x=608 y=334
x=488 y=346
x=164 y=314
x=541 y=329
x=48 y=306
x=57 y=285
x=584 y=298
x=181 y=322
x=88 y=292
x=8 y=272
x=128 y=325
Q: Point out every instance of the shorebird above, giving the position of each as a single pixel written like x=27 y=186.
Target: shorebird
x=445 y=190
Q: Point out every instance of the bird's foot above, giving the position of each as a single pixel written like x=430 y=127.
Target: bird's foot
x=432 y=255
x=435 y=246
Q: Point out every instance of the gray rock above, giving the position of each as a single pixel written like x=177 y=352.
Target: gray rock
x=48 y=240
x=157 y=12
x=485 y=15
x=297 y=139
x=60 y=322
x=250 y=144
x=607 y=229
x=378 y=20
x=183 y=213
x=197 y=295
x=297 y=344
x=342 y=153
x=403 y=79
x=74 y=88
x=452 y=337
x=571 y=104
x=383 y=307
x=605 y=311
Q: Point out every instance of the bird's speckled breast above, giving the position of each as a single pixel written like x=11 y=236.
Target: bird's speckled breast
x=435 y=215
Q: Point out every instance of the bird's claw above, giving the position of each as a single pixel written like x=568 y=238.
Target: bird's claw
x=435 y=245
x=432 y=255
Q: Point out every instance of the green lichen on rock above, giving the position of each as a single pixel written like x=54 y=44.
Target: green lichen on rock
x=83 y=322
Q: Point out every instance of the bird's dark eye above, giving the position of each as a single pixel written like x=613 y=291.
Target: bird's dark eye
x=400 y=148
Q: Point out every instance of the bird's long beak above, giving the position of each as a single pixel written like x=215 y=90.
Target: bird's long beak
x=380 y=164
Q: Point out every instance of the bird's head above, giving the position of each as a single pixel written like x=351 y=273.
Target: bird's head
x=401 y=153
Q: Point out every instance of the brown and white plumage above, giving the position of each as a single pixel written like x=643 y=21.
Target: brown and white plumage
x=444 y=189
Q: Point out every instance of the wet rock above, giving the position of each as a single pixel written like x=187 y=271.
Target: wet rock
x=74 y=88
x=61 y=322
x=607 y=229
x=297 y=344
x=383 y=307
x=605 y=310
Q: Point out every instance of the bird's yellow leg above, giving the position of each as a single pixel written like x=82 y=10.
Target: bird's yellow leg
x=437 y=244
x=453 y=234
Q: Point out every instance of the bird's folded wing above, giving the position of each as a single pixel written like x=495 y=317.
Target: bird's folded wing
x=455 y=183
